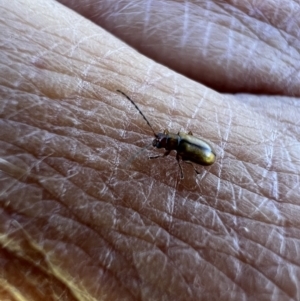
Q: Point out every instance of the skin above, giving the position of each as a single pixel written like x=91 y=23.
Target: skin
x=81 y=222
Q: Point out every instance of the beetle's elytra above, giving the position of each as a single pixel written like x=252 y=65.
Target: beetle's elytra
x=189 y=148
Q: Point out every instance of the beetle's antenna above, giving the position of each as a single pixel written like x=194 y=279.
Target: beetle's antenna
x=139 y=111
x=136 y=155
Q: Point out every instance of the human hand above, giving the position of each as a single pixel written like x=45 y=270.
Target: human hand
x=76 y=224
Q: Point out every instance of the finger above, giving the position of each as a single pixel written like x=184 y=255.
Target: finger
x=230 y=46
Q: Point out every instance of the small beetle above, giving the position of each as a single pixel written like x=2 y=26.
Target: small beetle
x=189 y=148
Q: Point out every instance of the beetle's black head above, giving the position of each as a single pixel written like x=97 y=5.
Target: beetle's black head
x=160 y=141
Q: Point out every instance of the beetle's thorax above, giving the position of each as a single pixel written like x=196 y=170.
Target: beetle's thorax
x=168 y=141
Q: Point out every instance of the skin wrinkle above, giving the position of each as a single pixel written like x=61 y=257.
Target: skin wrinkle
x=283 y=79
x=24 y=149
x=181 y=240
x=102 y=237
x=37 y=266
x=237 y=213
x=38 y=180
x=214 y=267
x=248 y=25
x=170 y=281
x=265 y=20
x=107 y=270
x=219 y=215
x=70 y=285
x=279 y=255
x=255 y=33
x=255 y=192
x=281 y=57
x=278 y=285
x=274 y=284
x=223 y=273
x=252 y=266
x=176 y=268
x=269 y=20
x=257 y=211
x=195 y=249
x=46 y=130
x=228 y=277
x=12 y=290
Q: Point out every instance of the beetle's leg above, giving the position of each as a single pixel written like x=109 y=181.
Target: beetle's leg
x=190 y=133
x=196 y=171
x=178 y=160
x=164 y=155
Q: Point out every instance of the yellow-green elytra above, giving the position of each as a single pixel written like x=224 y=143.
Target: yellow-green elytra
x=189 y=148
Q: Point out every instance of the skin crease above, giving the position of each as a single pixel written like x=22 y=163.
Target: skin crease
x=78 y=222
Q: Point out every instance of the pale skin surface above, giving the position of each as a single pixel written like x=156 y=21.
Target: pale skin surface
x=76 y=224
